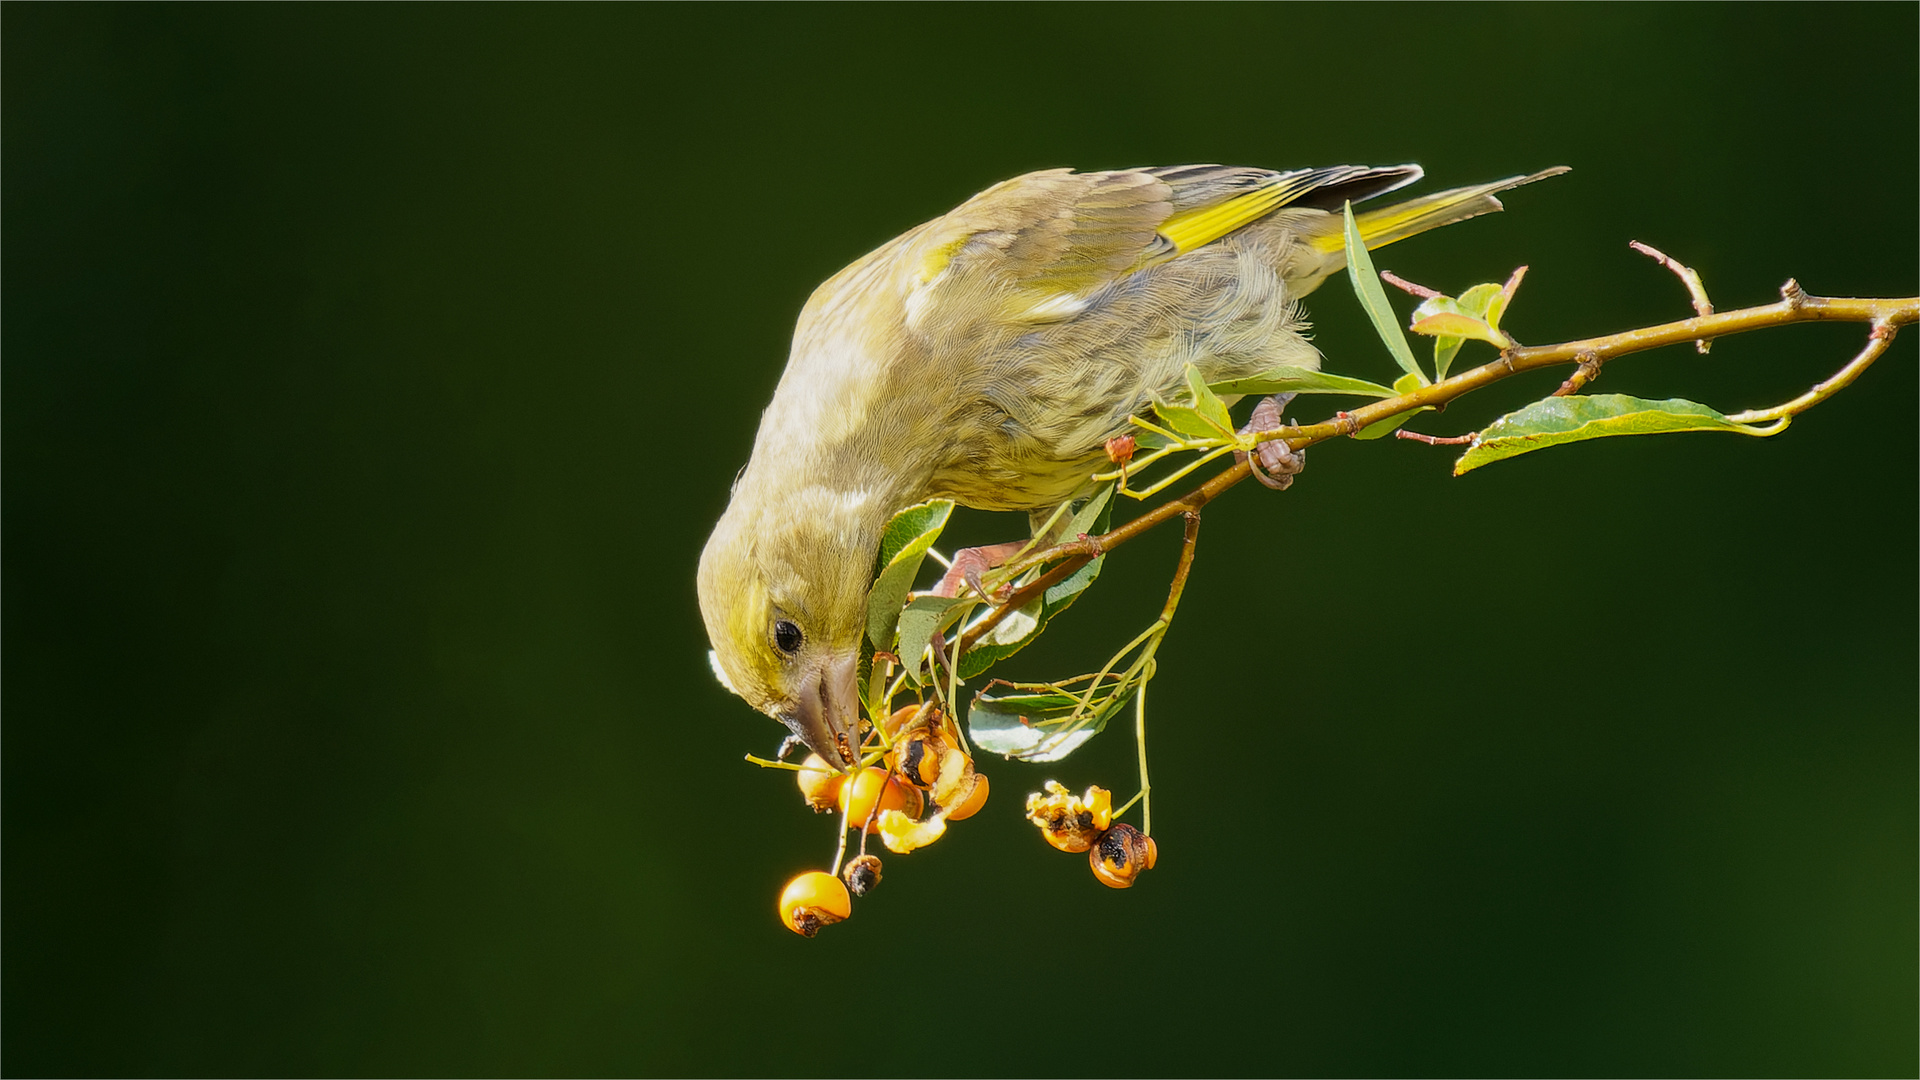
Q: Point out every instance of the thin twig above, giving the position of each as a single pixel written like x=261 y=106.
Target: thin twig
x=1877 y=342
x=1406 y=286
x=1588 y=371
x=1436 y=440
x=1696 y=289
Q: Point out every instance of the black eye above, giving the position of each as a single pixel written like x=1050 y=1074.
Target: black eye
x=787 y=636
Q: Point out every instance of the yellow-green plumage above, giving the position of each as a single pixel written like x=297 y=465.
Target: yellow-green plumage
x=986 y=357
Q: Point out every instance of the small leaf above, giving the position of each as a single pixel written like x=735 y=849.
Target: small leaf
x=1497 y=310
x=1366 y=286
x=1444 y=350
x=1090 y=519
x=1286 y=378
x=1189 y=422
x=903 y=544
x=1447 y=324
x=922 y=619
x=1018 y=627
x=1405 y=384
x=1206 y=402
x=1435 y=305
x=1557 y=420
x=1480 y=302
x=911 y=524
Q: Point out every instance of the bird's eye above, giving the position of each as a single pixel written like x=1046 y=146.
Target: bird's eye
x=787 y=636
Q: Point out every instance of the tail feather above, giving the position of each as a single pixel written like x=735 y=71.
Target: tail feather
x=1378 y=228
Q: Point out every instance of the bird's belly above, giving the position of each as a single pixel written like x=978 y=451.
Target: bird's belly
x=1009 y=485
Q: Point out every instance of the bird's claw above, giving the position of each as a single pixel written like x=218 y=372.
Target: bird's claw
x=970 y=563
x=1273 y=462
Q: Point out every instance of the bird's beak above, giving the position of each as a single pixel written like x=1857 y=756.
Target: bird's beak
x=826 y=712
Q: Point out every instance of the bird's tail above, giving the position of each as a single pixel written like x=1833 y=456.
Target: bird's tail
x=1394 y=223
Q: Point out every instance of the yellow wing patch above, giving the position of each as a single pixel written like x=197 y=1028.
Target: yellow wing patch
x=1205 y=224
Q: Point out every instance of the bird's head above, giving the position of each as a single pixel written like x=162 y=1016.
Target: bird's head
x=783 y=591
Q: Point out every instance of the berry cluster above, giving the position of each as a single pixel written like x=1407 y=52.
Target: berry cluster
x=925 y=779
x=1116 y=851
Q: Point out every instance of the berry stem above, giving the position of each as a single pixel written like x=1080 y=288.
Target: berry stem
x=1140 y=738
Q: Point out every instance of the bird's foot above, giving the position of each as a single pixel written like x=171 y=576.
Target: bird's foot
x=970 y=563
x=1274 y=464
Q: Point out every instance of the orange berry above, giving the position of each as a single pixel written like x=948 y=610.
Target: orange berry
x=918 y=757
x=861 y=792
x=819 y=784
x=1119 y=856
x=813 y=900
x=899 y=719
x=974 y=800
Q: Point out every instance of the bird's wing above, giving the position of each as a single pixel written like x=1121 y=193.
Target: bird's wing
x=1034 y=249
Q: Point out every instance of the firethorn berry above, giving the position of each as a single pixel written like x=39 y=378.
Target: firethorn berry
x=813 y=900
x=899 y=719
x=1067 y=822
x=974 y=800
x=918 y=757
x=819 y=784
x=871 y=785
x=862 y=874
x=1121 y=853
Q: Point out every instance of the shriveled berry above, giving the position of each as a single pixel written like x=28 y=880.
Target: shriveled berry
x=1068 y=822
x=971 y=803
x=1121 y=853
x=872 y=785
x=862 y=874
x=813 y=900
x=819 y=784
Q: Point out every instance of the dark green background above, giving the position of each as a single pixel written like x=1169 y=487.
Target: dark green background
x=373 y=375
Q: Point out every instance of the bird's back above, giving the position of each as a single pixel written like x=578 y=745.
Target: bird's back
x=988 y=355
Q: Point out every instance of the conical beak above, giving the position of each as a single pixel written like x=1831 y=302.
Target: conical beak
x=826 y=712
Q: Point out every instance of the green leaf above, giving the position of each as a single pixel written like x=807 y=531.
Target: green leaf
x=1036 y=722
x=1484 y=302
x=1189 y=422
x=1557 y=420
x=1476 y=314
x=1366 y=285
x=903 y=544
x=1445 y=347
x=1444 y=350
x=1286 y=378
x=1206 y=402
x=922 y=619
x=1405 y=384
x=909 y=525
x=1497 y=307
x=1092 y=517
x=1449 y=324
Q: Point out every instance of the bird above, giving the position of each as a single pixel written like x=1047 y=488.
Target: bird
x=987 y=356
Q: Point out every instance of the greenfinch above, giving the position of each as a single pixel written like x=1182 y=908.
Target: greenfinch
x=986 y=357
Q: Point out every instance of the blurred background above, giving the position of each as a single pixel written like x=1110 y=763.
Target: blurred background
x=374 y=374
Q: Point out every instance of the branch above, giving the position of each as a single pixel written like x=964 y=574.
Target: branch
x=1795 y=306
